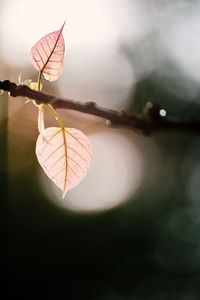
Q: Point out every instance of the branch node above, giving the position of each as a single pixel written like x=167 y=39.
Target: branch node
x=53 y=102
x=90 y=105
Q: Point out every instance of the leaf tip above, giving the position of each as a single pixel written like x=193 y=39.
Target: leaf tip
x=62 y=26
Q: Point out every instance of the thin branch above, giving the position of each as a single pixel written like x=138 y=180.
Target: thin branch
x=147 y=123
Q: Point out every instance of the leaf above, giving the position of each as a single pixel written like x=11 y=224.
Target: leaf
x=47 y=55
x=32 y=84
x=65 y=156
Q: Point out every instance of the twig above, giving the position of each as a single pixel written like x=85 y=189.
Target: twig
x=147 y=123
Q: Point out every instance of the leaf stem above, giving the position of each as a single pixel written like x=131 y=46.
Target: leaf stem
x=39 y=80
x=48 y=105
x=56 y=115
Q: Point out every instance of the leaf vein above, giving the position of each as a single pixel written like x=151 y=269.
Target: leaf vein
x=51 y=138
x=77 y=141
x=52 y=153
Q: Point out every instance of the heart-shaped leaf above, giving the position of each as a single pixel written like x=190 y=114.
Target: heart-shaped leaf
x=65 y=156
x=47 y=55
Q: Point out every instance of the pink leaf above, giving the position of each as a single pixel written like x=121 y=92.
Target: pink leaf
x=65 y=156
x=47 y=55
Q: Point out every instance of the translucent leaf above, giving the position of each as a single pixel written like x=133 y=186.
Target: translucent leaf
x=32 y=84
x=47 y=55
x=65 y=156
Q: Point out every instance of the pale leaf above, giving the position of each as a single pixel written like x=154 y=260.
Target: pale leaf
x=65 y=156
x=47 y=55
x=32 y=84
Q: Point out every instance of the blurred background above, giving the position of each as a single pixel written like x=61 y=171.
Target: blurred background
x=131 y=229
